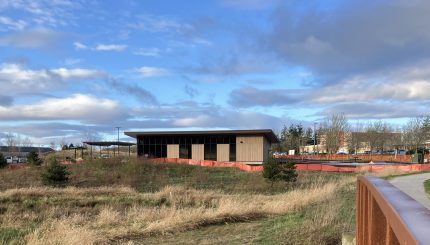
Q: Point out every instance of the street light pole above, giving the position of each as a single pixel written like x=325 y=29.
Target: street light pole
x=118 y=138
x=315 y=138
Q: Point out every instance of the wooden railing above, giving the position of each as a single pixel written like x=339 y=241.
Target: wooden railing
x=386 y=215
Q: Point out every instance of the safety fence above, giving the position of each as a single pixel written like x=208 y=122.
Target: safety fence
x=348 y=157
x=208 y=163
x=403 y=168
x=300 y=166
x=367 y=168
x=386 y=215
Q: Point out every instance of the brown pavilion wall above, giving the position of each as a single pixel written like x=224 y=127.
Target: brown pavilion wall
x=250 y=149
x=197 y=152
x=223 y=152
x=173 y=151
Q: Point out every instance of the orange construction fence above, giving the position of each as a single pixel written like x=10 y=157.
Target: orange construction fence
x=300 y=166
x=346 y=157
x=208 y=163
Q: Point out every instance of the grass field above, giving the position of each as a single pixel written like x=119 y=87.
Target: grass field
x=112 y=202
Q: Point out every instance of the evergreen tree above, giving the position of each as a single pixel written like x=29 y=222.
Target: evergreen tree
x=3 y=162
x=275 y=171
x=33 y=159
x=55 y=174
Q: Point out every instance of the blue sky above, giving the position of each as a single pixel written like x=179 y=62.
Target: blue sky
x=74 y=70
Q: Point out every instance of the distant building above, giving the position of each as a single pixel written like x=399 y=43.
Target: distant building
x=21 y=151
x=249 y=146
x=359 y=142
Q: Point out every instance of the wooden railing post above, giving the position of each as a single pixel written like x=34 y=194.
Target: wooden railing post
x=386 y=215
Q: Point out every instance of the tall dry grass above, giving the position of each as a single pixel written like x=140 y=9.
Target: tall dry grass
x=173 y=209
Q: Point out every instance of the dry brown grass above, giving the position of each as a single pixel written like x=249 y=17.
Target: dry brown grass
x=98 y=215
x=31 y=192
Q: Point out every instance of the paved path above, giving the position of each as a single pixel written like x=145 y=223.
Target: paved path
x=413 y=186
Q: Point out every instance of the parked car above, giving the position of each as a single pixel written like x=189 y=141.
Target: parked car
x=105 y=156
x=401 y=152
x=15 y=159
x=9 y=160
x=390 y=152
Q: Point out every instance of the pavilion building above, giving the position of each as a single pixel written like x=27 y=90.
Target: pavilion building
x=248 y=146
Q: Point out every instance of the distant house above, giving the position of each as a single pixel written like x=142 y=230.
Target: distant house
x=21 y=151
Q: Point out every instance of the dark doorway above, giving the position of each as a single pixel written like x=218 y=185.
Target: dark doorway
x=185 y=151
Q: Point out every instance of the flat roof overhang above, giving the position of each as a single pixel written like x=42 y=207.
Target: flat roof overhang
x=268 y=133
x=108 y=143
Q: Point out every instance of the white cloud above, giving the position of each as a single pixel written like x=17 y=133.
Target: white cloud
x=202 y=41
x=249 y=4
x=79 y=45
x=192 y=121
x=12 y=24
x=358 y=90
x=78 y=73
x=153 y=23
x=148 y=71
x=35 y=38
x=110 y=47
x=81 y=107
x=406 y=83
x=151 y=52
x=100 y=47
x=72 y=61
x=193 y=114
x=43 y=13
x=17 y=78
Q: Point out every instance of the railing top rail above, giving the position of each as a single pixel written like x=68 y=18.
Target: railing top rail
x=409 y=219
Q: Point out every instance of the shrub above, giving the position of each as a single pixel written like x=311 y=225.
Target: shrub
x=33 y=159
x=275 y=171
x=55 y=174
x=3 y=162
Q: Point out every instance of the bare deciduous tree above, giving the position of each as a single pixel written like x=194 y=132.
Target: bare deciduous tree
x=356 y=138
x=334 y=129
x=11 y=143
x=416 y=132
x=378 y=135
x=26 y=142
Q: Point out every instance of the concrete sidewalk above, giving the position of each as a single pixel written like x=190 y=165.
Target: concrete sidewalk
x=413 y=186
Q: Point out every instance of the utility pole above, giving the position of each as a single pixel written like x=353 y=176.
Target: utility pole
x=118 y=138
x=315 y=138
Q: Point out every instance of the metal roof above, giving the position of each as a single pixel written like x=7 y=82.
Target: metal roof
x=268 y=133
x=108 y=143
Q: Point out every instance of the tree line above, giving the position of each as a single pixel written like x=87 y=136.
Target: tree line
x=336 y=133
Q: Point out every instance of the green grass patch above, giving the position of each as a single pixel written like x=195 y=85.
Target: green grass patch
x=321 y=223
x=392 y=176
x=13 y=235
x=427 y=186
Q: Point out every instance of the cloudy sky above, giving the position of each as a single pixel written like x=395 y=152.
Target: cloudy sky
x=73 y=68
